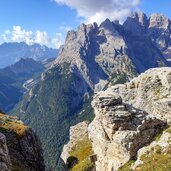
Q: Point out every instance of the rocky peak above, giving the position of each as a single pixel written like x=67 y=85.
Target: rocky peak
x=71 y=35
x=137 y=23
x=107 y=24
x=159 y=21
x=159 y=30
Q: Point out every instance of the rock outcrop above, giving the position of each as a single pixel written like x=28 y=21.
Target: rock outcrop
x=20 y=147
x=160 y=146
x=77 y=133
x=119 y=131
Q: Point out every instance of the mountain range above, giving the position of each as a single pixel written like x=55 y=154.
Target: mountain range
x=92 y=59
x=10 y=53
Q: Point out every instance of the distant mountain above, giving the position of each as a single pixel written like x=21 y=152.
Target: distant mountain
x=92 y=58
x=12 y=79
x=12 y=52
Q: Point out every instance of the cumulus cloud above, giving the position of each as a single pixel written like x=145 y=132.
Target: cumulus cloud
x=18 y=34
x=99 y=10
x=58 y=40
x=41 y=38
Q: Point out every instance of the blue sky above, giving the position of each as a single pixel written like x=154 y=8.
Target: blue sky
x=47 y=21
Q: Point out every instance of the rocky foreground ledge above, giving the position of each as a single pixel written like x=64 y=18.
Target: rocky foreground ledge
x=20 y=148
x=131 y=129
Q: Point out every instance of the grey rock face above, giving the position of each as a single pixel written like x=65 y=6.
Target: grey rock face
x=151 y=91
x=119 y=130
x=159 y=29
x=4 y=156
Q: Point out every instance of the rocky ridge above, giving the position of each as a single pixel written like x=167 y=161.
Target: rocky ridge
x=157 y=27
x=23 y=50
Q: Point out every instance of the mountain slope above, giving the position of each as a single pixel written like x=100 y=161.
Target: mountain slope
x=12 y=79
x=92 y=58
x=55 y=100
x=12 y=52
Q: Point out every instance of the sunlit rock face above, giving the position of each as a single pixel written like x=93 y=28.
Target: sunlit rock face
x=119 y=130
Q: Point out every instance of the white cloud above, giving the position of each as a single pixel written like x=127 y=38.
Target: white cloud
x=18 y=34
x=4 y=37
x=99 y=10
x=58 y=40
x=41 y=38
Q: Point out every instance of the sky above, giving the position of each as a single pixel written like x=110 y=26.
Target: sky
x=47 y=21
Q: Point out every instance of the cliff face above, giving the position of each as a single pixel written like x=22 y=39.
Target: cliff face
x=97 y=52
x=20 y=147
